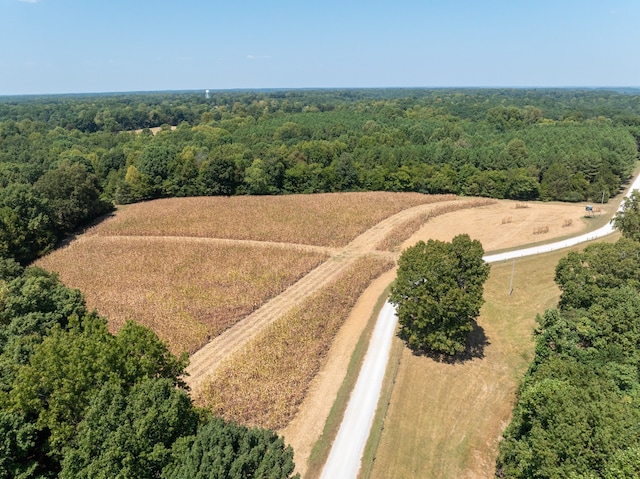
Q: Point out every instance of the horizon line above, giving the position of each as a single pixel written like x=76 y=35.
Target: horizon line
x=263 y=89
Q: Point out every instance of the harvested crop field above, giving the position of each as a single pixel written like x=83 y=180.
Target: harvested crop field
x=322 y=219
x=187 y=292
x=506 y=224
x=265 y=383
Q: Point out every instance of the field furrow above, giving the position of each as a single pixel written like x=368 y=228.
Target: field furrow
x=218 y=241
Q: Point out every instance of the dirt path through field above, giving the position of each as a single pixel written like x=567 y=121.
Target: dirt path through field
x=221 y=241
x=204 y=362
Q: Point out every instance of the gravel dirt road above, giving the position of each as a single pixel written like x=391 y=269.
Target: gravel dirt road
x=346 y=453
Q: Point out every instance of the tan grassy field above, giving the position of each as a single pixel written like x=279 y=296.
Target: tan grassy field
x=405 y=230
x=186 y=292
x=265 y=383
x=322 y=219
x=507 y=224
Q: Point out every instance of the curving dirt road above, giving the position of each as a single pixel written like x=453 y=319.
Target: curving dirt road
x=346 y=453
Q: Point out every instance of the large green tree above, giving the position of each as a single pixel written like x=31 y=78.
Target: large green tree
x=438 y=293
x=73 y=194
x=224 y=450
x=129 y=433
x=627 y=219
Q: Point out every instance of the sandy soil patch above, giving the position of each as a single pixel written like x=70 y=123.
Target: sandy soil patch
x=506 y=224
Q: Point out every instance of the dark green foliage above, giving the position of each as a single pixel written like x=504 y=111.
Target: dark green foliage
x=578 y=410
x=31 y=304
x=568 y=426
x=219 y=176
x=74 y=155
x=438 y=293
x=627 y=220
x=70 y=365
x=139 y=353
x=17 y=439
x=583 y=277
x=73 y=195
x=9 y=269
x=129 y=433
x=27 y=229
x=227 y=451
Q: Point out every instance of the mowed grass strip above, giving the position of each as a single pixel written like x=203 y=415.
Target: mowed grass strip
x=405 y=230
x=187 y=292
x=331 y=219
x=265 y=383
x=446 y=420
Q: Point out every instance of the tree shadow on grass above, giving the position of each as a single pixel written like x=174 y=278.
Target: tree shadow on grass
x=477 y=341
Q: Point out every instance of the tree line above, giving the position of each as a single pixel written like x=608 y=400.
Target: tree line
x=66 y=160
x=578 y=408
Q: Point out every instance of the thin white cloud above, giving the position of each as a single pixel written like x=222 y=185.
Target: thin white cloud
x=258 y=57
x=30 y=1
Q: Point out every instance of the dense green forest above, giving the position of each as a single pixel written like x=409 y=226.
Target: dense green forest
x=578 y=409
x=65 y=160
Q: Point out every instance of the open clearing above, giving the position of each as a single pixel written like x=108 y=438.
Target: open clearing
x=160 y=251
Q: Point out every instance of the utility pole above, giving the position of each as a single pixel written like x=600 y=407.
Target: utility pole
x=513 y=270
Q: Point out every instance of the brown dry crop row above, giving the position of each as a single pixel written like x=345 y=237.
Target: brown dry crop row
x=187 y=293
x=265 y=383
x=321 y=219
x=405 y=230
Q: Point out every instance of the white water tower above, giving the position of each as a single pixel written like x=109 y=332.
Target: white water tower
x=206 y=94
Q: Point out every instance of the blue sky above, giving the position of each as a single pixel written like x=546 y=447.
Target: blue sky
x=73 y=46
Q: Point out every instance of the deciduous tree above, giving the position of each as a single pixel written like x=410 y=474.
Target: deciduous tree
x=627 y=220
x=223 y=450
x=438 y=293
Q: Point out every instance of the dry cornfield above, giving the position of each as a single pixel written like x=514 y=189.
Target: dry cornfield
x=321 y=219
x=186 y=291
x=264 y=384
x=179 y=267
